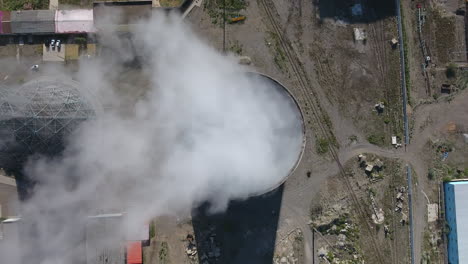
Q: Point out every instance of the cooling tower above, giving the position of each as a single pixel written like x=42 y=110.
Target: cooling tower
x=289 y=135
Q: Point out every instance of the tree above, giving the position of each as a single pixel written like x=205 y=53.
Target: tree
x=431 y=174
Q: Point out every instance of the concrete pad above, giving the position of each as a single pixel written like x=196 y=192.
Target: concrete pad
x=432 y=212
x=53 y=4
x=155 y=3
x=53 y=55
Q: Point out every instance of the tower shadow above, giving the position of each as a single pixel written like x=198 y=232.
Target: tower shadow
x=245 y=233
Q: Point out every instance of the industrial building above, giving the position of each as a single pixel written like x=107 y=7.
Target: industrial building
x=75 y=21
x=122 y=247
x=104 y=241
x=99 y=248
x=46 y=22
x=456 y=214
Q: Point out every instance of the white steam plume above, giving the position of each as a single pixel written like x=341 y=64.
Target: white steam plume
x=203 y=132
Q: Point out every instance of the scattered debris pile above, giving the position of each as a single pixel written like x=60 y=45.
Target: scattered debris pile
x=379 y=107
x=341 y=236
x=360 y=34
x=444 y=149
x=290 y=248
x=372 y=168
x=377 y=213
x=376 y=182
x=191 y=248
x=394 y=43
x=400 y=199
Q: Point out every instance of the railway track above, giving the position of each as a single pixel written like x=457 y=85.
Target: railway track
x=318 y=115
x=377 y=36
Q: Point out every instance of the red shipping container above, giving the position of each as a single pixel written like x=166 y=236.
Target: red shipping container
x=134 y=252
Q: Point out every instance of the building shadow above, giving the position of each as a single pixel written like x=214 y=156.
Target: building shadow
x=244 y=234
x=355 y=11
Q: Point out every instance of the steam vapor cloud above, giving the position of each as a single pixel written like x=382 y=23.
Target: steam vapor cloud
x=204 y=131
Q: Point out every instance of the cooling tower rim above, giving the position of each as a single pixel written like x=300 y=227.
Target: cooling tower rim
x=303 y=145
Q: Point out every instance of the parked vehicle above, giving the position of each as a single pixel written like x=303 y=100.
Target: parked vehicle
x=52 y=44
x=58 y=44
x=236 y=19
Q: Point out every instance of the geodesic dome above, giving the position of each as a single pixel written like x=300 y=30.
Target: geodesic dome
x=35 y=117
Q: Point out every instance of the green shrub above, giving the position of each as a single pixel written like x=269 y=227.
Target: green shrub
x=11 y=5
x=152 y=231
x=431 y=174
x=353 y=138
x=376 y=139
x=322 y=145
x=164 y=253
x=447 y=179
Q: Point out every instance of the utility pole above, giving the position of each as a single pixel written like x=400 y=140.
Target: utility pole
x=313 y=246
x=224 y=26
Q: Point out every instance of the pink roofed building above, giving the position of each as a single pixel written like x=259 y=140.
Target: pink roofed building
x=74 y=21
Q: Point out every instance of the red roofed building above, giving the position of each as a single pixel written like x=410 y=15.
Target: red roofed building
x=134 y=252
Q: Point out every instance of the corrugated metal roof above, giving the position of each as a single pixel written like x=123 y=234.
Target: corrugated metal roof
x=103 y=243
x=456 y=215
x=33 y=15
x=134 y=253
x=461 y=197
x=33 y=21
x=33 y=27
